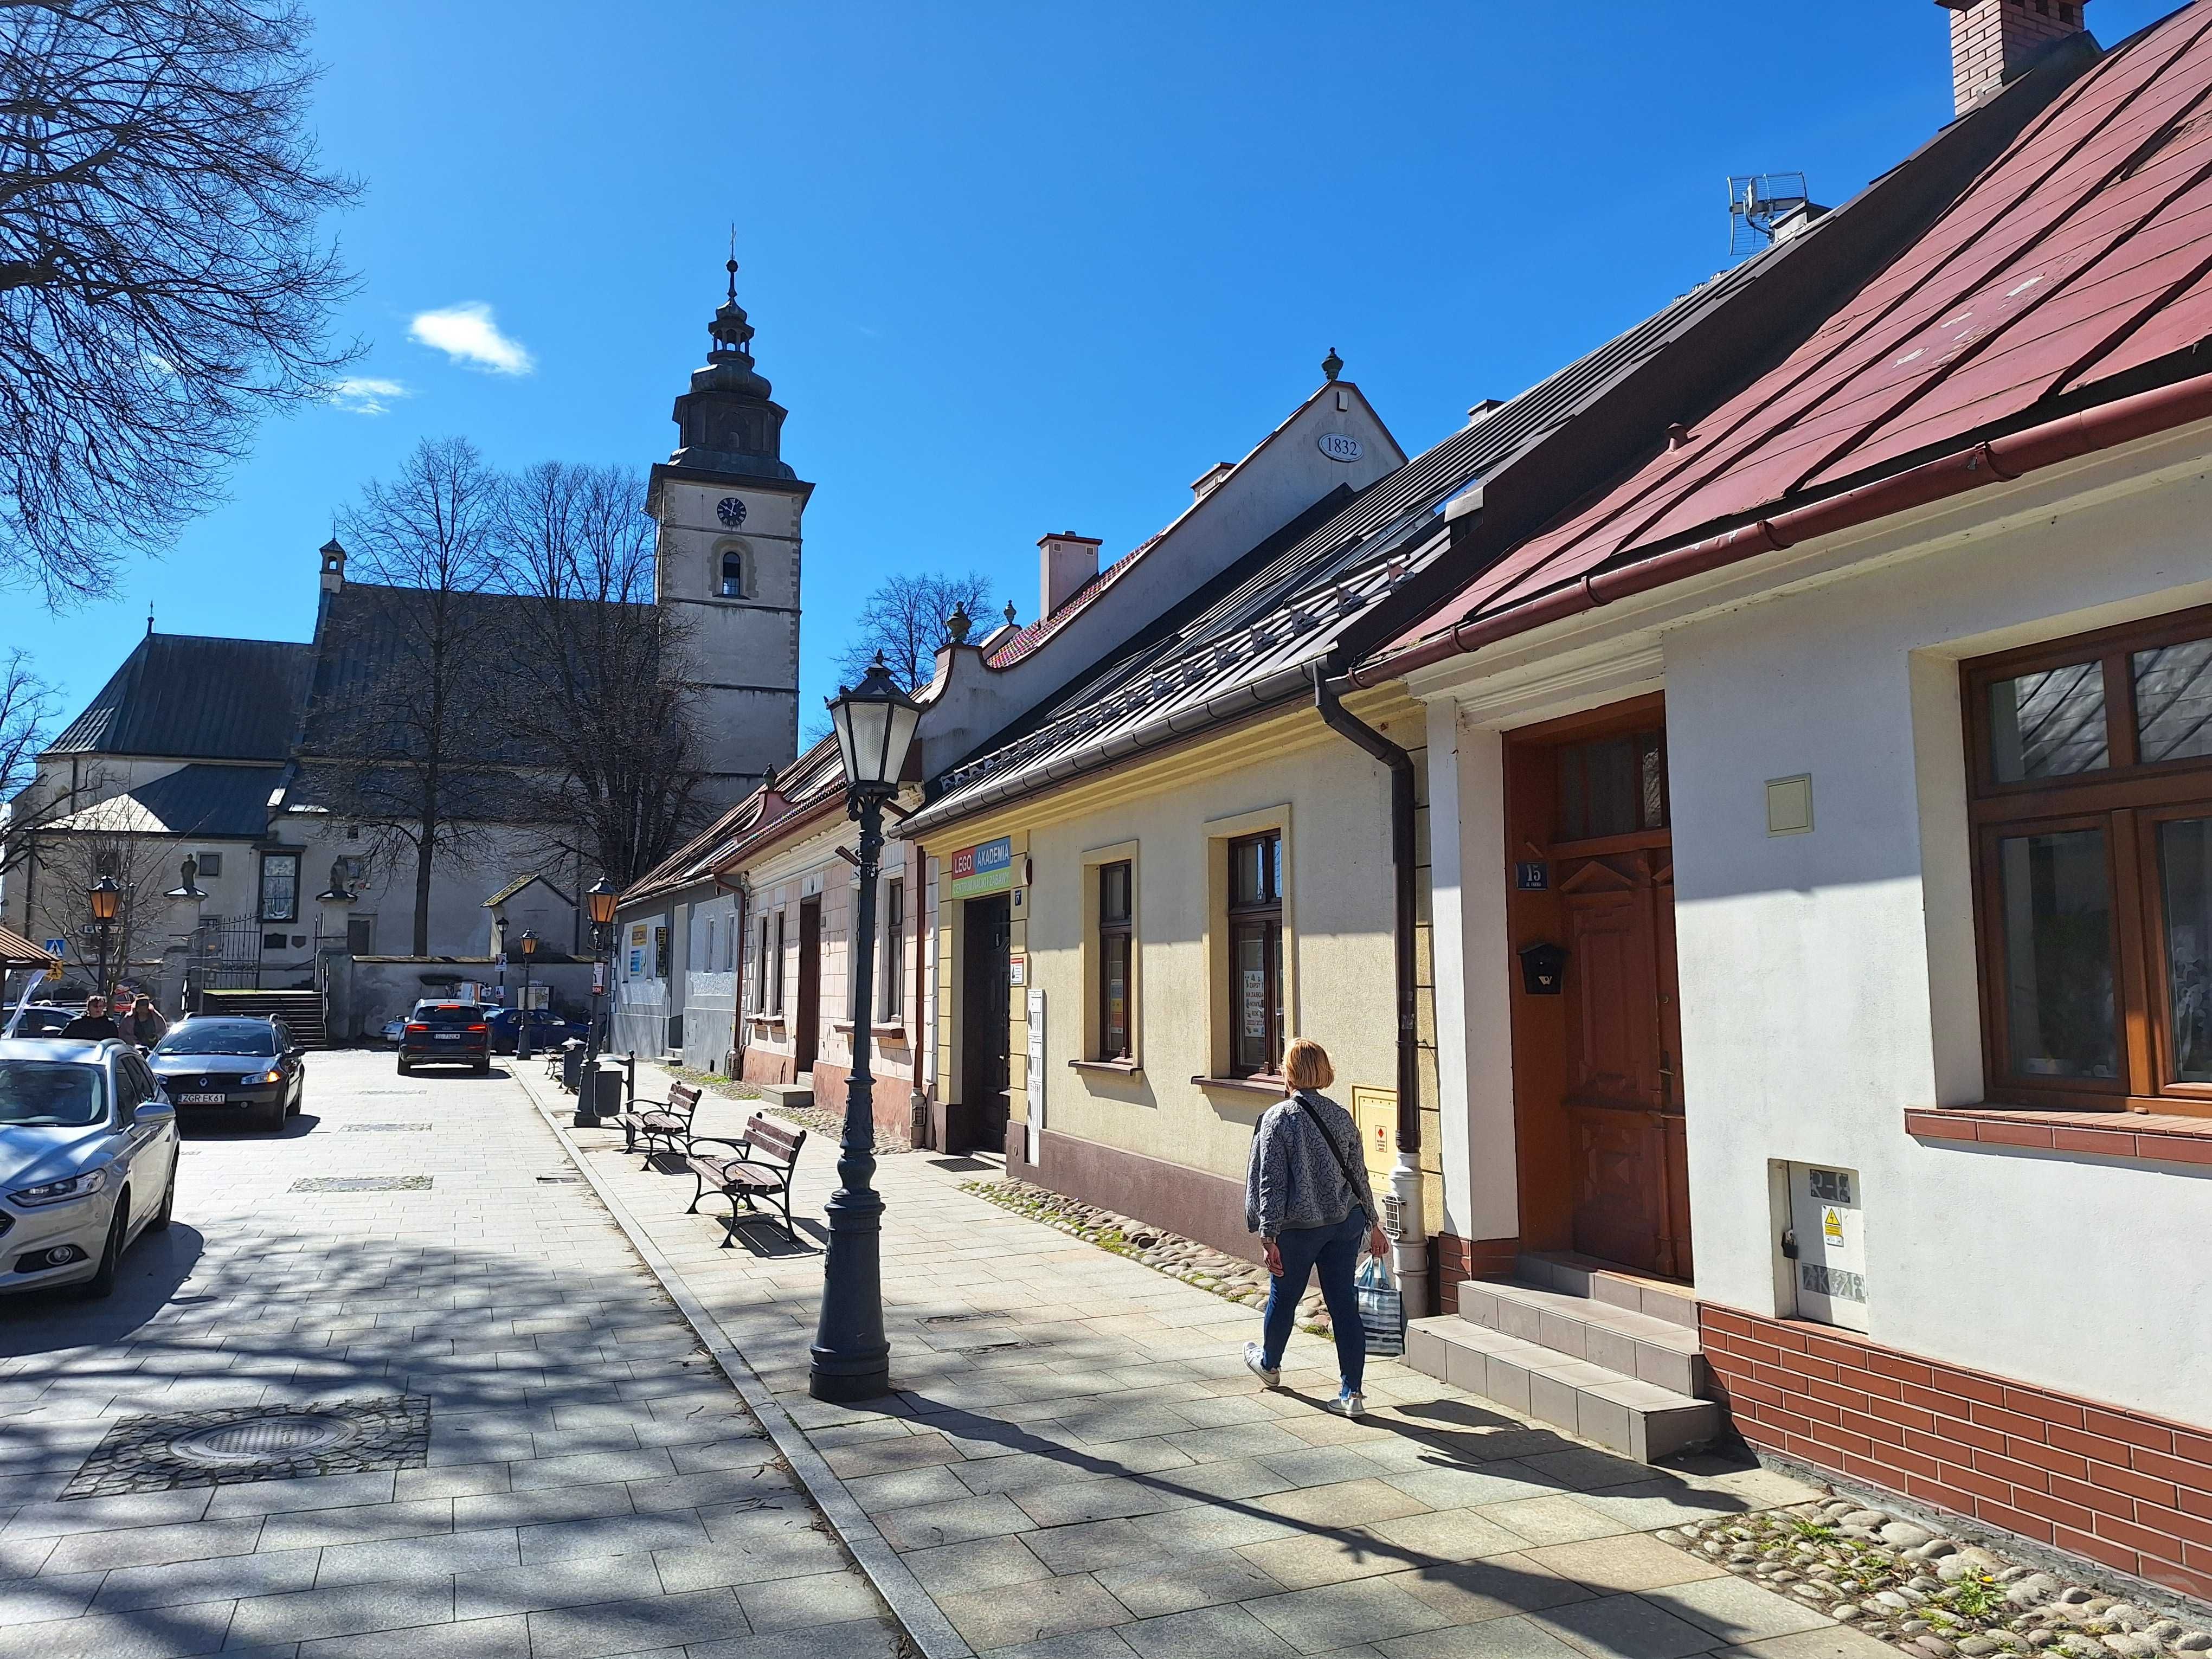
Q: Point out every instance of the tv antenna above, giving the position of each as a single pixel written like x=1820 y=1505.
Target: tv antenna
x=1757 y=202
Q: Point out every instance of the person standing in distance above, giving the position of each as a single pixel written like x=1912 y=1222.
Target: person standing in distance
x=1306 y=1195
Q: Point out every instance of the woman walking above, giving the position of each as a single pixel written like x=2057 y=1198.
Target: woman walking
x=1306 y=1195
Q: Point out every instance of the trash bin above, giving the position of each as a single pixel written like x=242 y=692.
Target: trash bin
x=572 y=1064
x=606 y=1091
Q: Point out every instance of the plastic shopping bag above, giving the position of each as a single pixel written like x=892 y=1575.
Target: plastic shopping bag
x=1382 y=1309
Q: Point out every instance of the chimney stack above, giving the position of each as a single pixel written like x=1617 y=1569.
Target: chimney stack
x=1203 y=485
x=1065 y=562
x=1993 y=41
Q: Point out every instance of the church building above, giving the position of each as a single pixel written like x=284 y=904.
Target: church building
x=205 y=776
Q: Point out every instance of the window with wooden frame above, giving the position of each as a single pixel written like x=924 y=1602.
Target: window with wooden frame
x=891 y=980
x=776 y=970
x=1117 y=944
x=1256 y=954
x=2091 y=797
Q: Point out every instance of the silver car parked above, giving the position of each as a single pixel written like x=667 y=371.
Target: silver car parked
x=88 y=1153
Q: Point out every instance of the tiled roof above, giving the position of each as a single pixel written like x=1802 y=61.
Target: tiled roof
x=2075 y=270
x=812 y=778
x=195 y=698
x=16 y=952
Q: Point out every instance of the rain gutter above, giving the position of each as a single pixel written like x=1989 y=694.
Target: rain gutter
x=1996 y=461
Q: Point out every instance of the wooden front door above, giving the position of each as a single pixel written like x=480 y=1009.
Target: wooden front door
x=1598 y=1086
x=1624 y=1099
x=806 y=1037
x=985 y=989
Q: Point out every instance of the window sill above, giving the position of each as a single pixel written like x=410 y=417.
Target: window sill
x=894 y=1030
x=1117 y=1067
x=1260 y=1084
x=773 y=1022
x=2163 y=1138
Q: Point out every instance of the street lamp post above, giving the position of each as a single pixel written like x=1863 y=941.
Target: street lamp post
x=105 y=897
x=875 y=723
x=600 y=899
x=528 y=942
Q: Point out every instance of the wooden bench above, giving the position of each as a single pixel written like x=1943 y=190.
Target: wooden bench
x=760 y=1169
x=661 y=1125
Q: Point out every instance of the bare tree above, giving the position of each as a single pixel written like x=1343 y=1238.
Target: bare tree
x=905 y=620
x=109 y=838
x=605 y=692
x=405 y=730
x=161 y=280
x=27 y=706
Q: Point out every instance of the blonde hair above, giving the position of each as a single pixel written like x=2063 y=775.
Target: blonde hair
x=1305 y=1065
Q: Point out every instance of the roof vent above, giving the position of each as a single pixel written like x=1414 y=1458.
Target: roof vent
x=1483 y=411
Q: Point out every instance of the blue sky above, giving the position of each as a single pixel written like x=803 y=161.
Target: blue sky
x=1016 y=268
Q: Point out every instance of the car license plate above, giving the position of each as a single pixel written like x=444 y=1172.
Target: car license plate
x=201 y=1100
x=448 y=1037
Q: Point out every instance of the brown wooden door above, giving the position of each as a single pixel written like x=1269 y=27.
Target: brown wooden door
x=1624 y=1094
x=806 y=1038
x=986 y=930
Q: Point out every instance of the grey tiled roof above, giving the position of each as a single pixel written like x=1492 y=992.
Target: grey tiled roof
x=212 y=800
x=197 y=698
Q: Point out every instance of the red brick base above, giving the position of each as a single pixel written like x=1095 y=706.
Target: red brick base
x=1452 y=1259
x=2121 y=1487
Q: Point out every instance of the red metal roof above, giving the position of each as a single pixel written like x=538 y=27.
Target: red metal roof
x=2082 y=254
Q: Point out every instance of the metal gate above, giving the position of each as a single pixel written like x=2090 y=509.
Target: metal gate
x=238 y=953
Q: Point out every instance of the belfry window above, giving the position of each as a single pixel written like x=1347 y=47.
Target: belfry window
x=734 y=575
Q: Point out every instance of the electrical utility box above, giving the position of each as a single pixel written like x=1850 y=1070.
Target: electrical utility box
x=1825 y=1243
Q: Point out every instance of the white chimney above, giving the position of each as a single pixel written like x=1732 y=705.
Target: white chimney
x=1203 y=485
x=1065 y=562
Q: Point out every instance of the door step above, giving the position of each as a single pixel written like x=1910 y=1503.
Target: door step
x=1632 y=1345
x=789 y=1094
x=1600 y=1281
x=1623 y=1414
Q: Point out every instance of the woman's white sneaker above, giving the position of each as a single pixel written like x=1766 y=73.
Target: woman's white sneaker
x=1255 y=1361
x=1350 y=1404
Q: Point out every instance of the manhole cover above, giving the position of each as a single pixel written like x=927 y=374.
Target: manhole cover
x=263 y=1440
x=381 y=1128
x=561 y=1180
x=413 y=1183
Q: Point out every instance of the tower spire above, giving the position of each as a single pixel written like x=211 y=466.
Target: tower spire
x=729 y=420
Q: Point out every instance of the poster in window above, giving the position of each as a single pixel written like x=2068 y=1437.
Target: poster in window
x=1255 y=1004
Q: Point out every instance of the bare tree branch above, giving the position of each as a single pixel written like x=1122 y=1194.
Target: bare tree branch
x=606 y=691
x=27 y=706
x=904 y=619
x=162 y=283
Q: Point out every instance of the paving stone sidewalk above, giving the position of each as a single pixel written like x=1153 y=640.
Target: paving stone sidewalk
x=1077 y=1465
x=589 y=1484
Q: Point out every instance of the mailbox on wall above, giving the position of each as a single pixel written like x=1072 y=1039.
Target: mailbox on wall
x=1543 y=968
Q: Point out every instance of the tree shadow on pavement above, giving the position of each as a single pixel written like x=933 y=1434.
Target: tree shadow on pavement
x=152 y=1269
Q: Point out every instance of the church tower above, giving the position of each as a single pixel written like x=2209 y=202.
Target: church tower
x=726 y=568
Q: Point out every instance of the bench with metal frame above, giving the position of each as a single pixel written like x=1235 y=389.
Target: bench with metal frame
x=661 y=1125
x=761 y=1170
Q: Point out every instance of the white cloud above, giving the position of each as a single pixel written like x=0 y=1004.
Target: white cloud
x=364 y=396
x=467 y=334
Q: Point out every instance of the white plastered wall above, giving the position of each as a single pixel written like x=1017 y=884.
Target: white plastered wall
x=1828 y=979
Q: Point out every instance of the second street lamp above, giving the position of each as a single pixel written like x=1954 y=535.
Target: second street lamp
x=875 y=723
x=528 y=943
x=600 y=899
x=106 y=898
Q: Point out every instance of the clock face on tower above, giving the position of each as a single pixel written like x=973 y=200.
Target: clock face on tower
x=731 y=511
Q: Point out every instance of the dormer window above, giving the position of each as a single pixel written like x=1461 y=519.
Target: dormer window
x=734 y=575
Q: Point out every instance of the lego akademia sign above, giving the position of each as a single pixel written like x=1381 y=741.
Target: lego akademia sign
x=986 y=867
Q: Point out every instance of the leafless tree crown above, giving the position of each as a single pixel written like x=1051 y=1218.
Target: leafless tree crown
x=27 y=706
x=904 y=619
x=161 y=280
x=606 y=691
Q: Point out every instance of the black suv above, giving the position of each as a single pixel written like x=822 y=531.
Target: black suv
x=445 y=1034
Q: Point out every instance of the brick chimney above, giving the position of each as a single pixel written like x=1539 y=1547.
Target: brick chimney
x=1065 y=562
x=1994 y=40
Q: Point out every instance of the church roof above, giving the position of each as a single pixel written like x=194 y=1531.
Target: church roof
x=228 y=803
x=197 y=698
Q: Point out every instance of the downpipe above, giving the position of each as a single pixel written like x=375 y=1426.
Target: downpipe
x=1407 y=1229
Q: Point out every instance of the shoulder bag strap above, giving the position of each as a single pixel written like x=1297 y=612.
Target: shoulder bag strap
x=1336 y=1152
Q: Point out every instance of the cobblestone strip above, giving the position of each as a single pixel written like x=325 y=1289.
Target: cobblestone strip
x=929 y=1630
x=1932 y=1595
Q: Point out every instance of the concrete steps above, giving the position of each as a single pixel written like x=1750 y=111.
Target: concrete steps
x=301 y=1011
x=1610 y=1356
x=801 y=1093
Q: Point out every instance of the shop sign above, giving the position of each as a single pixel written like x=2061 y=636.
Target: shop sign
x=986 y=867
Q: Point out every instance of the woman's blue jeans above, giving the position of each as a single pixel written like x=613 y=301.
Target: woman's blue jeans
x=1335 y=1251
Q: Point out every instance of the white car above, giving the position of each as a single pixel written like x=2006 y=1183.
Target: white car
x=88 y=1153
